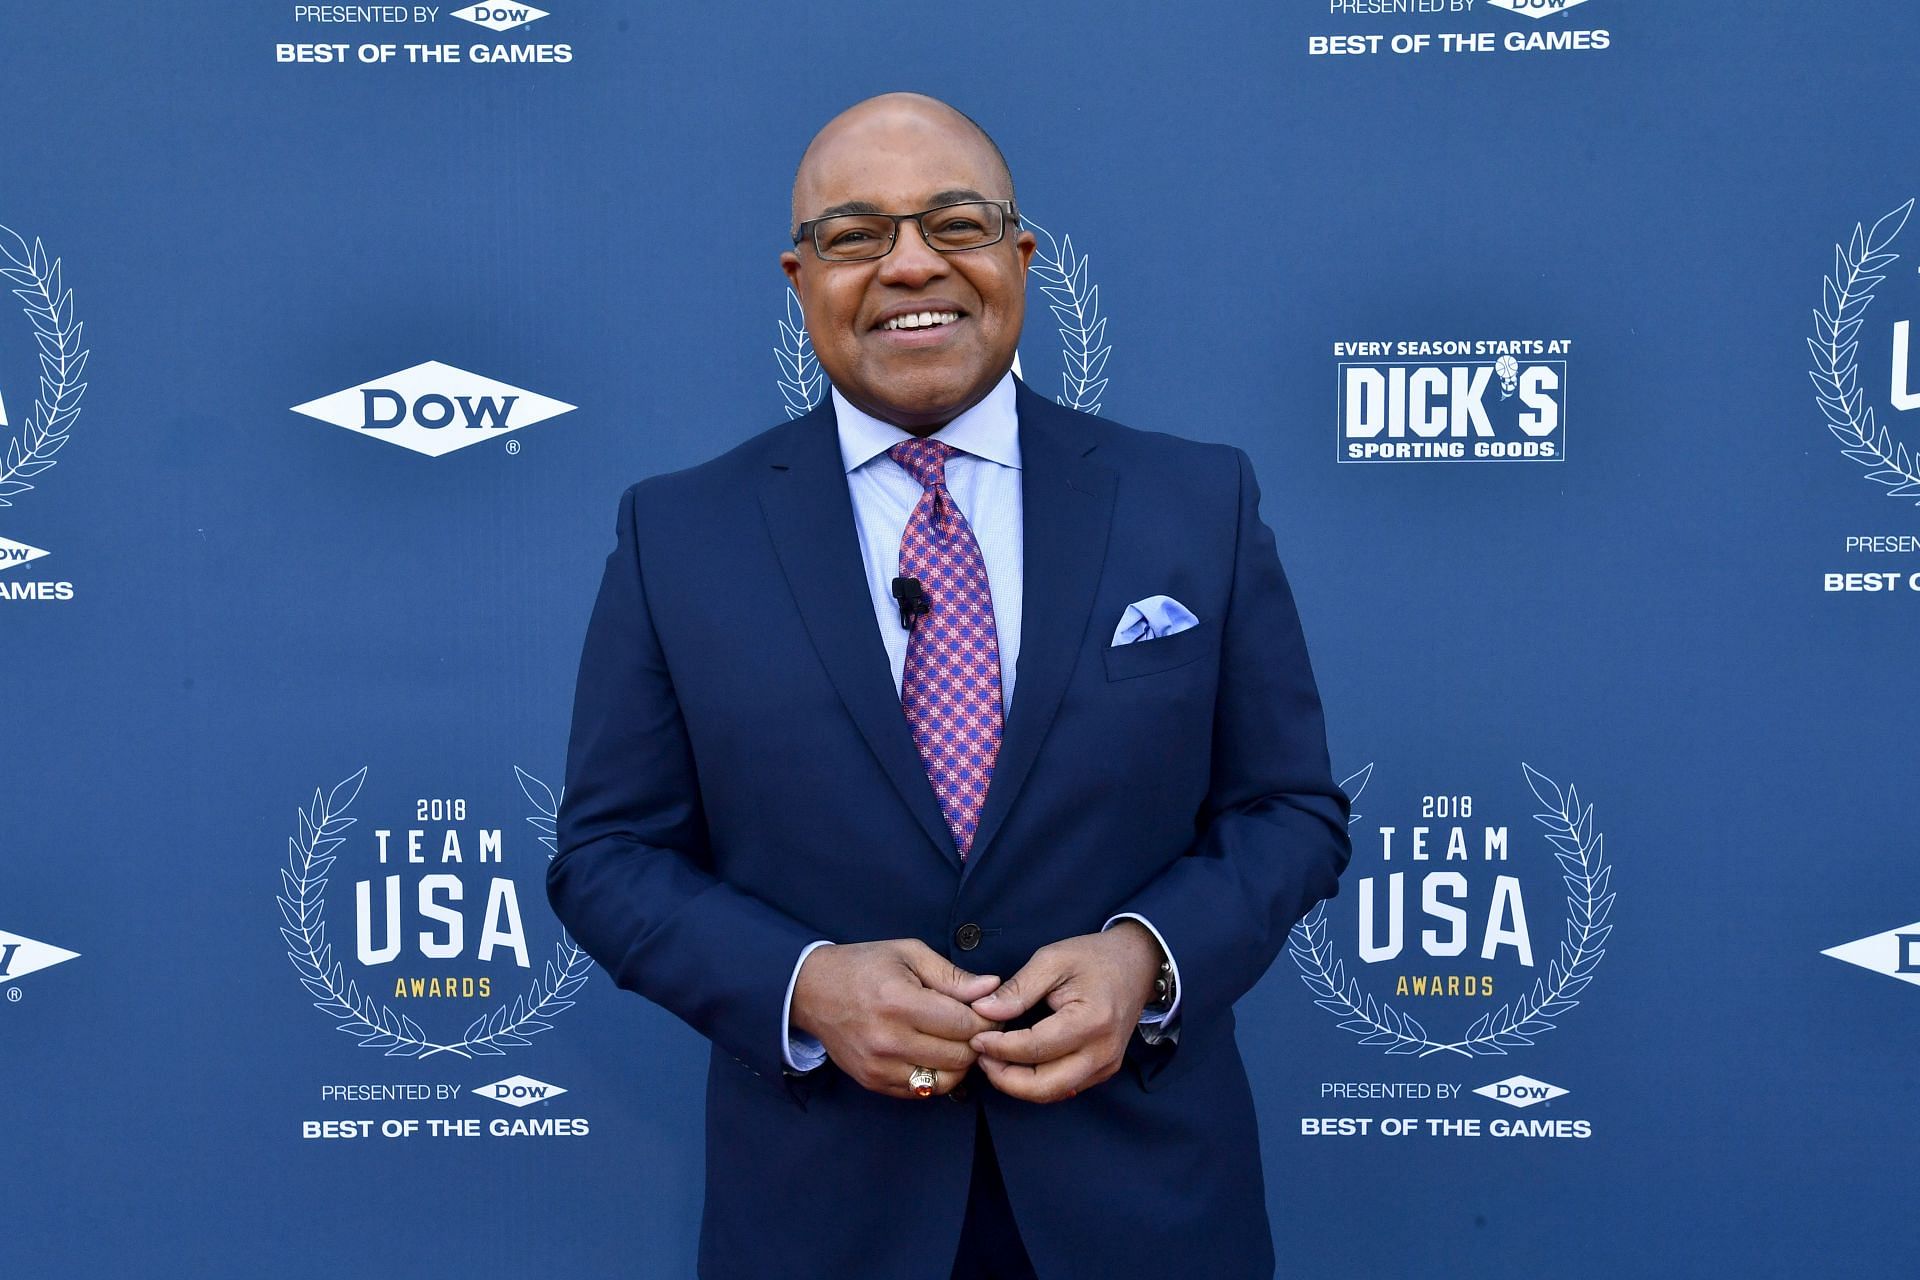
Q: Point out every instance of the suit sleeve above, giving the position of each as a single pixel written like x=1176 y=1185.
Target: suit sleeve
x=632 y=878
x=1272 y=833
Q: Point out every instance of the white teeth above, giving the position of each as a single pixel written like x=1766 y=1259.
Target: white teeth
x=922 y=320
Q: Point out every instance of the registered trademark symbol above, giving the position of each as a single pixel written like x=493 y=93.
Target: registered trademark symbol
x=513 y=446
x=13 y=995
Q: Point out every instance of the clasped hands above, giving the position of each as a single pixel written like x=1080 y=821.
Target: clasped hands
x=883 y=1008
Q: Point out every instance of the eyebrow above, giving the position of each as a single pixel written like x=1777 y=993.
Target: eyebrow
x=953 y=195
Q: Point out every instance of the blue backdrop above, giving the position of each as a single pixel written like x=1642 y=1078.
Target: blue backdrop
x=216 y=611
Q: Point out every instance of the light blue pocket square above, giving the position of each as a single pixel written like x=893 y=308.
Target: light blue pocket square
x=1152 y=618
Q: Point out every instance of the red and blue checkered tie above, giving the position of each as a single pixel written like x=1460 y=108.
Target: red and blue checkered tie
x=950 y=688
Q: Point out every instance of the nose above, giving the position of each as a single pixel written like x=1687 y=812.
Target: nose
x=912 y=261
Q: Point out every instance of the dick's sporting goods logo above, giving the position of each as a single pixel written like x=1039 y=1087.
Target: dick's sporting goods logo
x=434 y=408
x=1452 y=401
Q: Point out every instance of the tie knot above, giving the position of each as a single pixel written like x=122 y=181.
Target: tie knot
x=925 y=460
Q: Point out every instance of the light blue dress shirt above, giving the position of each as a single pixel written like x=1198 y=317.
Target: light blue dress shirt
x=984 y=479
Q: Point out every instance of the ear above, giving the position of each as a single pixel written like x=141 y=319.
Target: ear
x=1024 y=244
x=790 y=263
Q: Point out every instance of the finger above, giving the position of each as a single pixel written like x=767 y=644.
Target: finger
x=933 y=1014
x=937 y=973
x=912 y=1049
x=1047 y=1082
x=944 y=1082
x=893 y=1078
x=1024 y=989
x=1065 y=1031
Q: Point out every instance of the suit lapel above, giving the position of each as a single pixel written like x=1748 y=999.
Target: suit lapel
x=1066 y=507
x=809 y=513
x=1066 y=502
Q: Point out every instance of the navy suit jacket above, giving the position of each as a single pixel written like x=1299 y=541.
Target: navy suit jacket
x=741 y=781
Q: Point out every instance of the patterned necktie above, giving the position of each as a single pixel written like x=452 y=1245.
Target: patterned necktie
x=950 y=687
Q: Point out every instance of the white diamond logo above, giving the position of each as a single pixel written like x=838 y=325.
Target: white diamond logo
x=1521 y=1091
x=434 y=408
x=21 y=956
x=1895 y=953
x=13 y=554
x=519 y=1091
x=1536 y=9
x=505 y=17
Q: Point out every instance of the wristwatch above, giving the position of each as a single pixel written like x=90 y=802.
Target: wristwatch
x=1164 y=990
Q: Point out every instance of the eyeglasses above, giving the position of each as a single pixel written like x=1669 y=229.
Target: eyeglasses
x=950 y=228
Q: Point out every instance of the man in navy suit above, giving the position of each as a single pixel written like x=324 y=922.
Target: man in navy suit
x=938 y=683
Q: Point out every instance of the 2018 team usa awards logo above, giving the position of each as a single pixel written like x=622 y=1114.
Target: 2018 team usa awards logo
x=1478 y=894
x=44 y=428
x=438 y=925
x=1843 y=342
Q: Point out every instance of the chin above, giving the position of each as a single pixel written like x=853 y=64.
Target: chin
x=919 y=395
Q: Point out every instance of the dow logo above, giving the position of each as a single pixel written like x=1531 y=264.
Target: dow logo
x=13 y=554
x=434 y=408
x=21 y=956
x=1536 y=9
x=1895 y=953
x=520 y=1091
x=1521 y=1091
x=505 y=17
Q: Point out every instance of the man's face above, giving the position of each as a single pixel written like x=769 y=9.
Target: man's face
x=902 y=159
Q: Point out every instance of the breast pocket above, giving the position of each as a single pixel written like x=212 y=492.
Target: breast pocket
x=1145 y=657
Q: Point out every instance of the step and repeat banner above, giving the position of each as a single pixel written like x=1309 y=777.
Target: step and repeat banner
x=1570 y=341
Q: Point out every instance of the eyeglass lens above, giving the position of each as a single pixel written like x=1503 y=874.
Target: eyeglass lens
x=849 y=237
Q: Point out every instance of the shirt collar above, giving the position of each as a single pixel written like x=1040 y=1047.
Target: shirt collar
x=990 y=429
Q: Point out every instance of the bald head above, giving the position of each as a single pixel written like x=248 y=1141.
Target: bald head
x=869 y=133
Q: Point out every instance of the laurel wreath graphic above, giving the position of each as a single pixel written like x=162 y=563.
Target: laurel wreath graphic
x=801 y=382
x=310 y=854
x=1074 y=302
x=1076 y=306
x=1569 y=828
x=1858 y=266
x=49 y=305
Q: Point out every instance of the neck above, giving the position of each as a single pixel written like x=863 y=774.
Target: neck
x=923 y=431
x=926 y=423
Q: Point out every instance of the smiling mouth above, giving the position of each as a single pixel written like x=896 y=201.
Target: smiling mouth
x=919 y=320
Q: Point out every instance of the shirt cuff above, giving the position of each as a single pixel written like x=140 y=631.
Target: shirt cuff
x=1156 y=1026
x=802 y=1052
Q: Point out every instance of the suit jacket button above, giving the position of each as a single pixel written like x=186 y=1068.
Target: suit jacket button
x=967 y=936
x=958 y=1093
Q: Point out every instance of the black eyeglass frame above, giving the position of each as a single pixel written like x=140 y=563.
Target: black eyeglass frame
x=810 y=229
